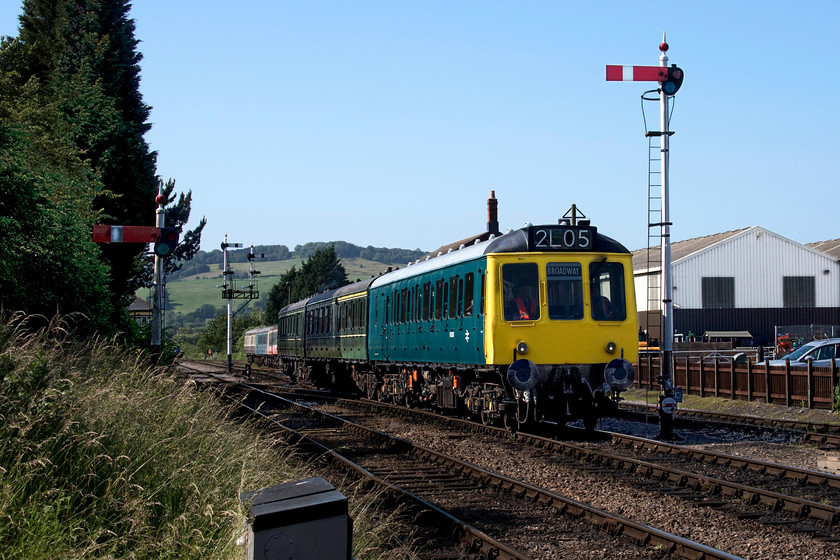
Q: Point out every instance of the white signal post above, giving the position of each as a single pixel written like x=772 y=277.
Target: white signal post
x=157 y=301
x=670 y=79
x=666 y=414
x=230 y=292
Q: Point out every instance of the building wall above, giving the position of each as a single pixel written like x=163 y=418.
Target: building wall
x=759 y=260
x=760 y=323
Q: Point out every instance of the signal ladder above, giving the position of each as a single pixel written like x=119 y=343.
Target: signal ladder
x=652 y=318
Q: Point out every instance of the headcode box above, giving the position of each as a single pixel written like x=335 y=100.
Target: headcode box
x=304 y=520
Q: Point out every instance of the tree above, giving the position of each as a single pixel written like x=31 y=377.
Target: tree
x=50 y=264
x=322 y=271
x=85 y=54
x=215 y=334
x=177 y=216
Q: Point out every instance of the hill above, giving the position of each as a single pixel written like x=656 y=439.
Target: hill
x=195 y=294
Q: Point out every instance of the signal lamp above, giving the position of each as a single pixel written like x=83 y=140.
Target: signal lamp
x=167 y=242
x=675 y=79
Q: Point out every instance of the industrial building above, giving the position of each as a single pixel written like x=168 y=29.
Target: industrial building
x=740 y=285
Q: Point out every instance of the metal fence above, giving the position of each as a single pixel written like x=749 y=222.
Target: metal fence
x=810 y=387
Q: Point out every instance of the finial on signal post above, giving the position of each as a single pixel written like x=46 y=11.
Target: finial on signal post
x=160 y=199
x=663 y=46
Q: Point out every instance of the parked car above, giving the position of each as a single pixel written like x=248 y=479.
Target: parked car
x=818 y=352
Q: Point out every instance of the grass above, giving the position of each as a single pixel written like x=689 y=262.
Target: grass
x=102 y=456
x=190 y=293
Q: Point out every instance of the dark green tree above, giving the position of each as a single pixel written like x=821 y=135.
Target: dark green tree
x=50 y=264
x=85 y=53
x=322 y=271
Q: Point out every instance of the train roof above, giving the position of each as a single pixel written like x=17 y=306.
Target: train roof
x=296 y=306
x=354 y=288
x=322 y=296
x=258 y=330
x=516 y=241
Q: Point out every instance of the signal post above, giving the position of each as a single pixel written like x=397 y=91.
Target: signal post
x=230 y=292
x=670 y=79
x=165 y=241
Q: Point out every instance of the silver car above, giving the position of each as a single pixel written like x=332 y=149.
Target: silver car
x=818 y=352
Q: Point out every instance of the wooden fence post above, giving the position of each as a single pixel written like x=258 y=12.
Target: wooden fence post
x=833 y=383
x=788 y=381
x=767 y=379
x=749 y=381
x=702 y=379
x=810 y=385
x=732 y=378
x=717 y=378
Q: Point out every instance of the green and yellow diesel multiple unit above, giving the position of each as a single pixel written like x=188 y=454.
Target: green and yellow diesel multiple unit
x=538 y=324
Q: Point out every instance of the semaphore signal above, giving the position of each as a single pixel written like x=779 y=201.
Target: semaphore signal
x=670 y=80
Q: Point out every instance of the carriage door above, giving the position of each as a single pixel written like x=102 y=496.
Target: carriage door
x=386 y=326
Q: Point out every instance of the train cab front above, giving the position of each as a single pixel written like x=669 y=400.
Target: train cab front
x=562 y=328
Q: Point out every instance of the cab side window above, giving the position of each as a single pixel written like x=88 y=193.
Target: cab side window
x=606 y=291
x=520 y=292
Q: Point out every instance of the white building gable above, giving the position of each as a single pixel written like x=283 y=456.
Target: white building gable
x=754 y=264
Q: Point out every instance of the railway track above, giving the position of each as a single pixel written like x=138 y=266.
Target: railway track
x=823 y=435
x=761 y=497
x=793 y=507
x=806 y=501
x=498 y=516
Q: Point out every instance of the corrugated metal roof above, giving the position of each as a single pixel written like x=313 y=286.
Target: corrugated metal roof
x=728 y=334
x=830 y=247
x=680 y=249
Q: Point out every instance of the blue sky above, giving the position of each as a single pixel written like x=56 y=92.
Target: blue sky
x=389 y=123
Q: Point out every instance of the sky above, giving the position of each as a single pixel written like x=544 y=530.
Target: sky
x=388 y=123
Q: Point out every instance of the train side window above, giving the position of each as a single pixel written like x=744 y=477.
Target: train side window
x=438 y=298
x=418 y=309
x=468 y=294
x=445 y=299
x=403 y=304
x=453 y=296
x=606 y=291
x=520 y=293
x=426 y=290
x=460 y=297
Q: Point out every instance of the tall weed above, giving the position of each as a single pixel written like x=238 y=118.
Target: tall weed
x=102 y=456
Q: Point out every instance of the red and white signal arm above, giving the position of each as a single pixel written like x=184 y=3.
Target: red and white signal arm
x=668 y=405
x=617 y=73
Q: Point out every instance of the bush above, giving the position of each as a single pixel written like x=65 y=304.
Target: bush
x=102 y=456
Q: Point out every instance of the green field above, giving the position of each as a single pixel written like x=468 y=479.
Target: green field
x=188 y=294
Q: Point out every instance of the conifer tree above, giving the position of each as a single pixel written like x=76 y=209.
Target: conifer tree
x=85 y=53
